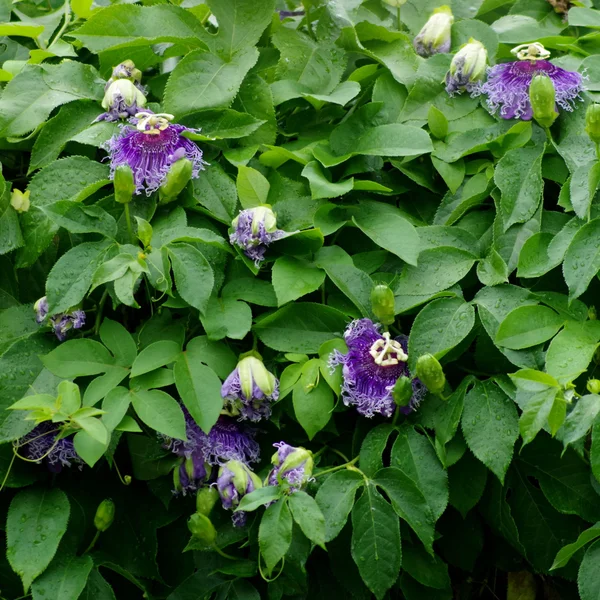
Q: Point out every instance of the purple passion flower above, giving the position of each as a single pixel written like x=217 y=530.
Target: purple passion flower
x=250 y=389
x=253 y=230
x=371 y=367
x=150 y=149
x=61 y=323
x=467 y=68
x=507 y=85
x=235 y=480
x=291 y=466
x=41 y=445
x=434 y=37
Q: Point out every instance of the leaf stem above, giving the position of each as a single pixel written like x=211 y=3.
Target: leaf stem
x=339 y=467
x=129 y=227
x=100 y=310
x=93 y=542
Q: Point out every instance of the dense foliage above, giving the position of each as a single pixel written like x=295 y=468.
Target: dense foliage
x=297 y=300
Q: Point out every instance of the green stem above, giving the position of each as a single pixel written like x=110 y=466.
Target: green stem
x=339 y=467
x=129 y=227
x=66 y=23
x=8 y=471
x=93 y=542
x=396 y=415
x=398 y=17
x=598 y=151
x=100 y=309
x=223 y=554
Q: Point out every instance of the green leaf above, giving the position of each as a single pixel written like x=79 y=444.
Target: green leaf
x=313 y=409
x=321 y=185
x=37 y=520
x=216 y=192
x=193 y=275
x=154 y=356
x=373 y=448
x=294 y=278
x=226 y=317
x=582 y=259
x=437 y=122
x=119 y=341
x=409 y=503
x=490 y=426
x=222 y=123
x=440 y=327
x=301 y=327
x=97 y=588
x=259 y=497
x=336 y=499
x=159 y=411
x=78 y=358
x=30 y=97
x=201 y=80
x=527 y=326
x=580 y=420
x=21 y=29
x=467 y=479
x=199 y=387
x=539 y=412
x=583 y=186
x=275 y=533
x=252 y=187
x=430 y=571
x=145 y=25
x=308 y=516
x=587 y=578
x=341 y=95
x=115 y=404
x=566 y=553
x=64 y=579
x=77 y=218
x=386 y=226
x=518 y=174
x=376 y=547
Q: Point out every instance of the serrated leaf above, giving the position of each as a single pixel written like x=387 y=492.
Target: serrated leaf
x=307 y=514
x=582 y=259
x=64 y=579
x=566 y=553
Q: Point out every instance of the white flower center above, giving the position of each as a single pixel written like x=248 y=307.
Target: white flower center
x=157 y=122
x=532 y=52
x=387 y=352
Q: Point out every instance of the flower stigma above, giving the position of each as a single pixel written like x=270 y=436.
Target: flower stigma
x=387 y=352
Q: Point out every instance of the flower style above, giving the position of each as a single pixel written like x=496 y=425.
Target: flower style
x=253 y=230
x=434 y=37
x=234 y=482
x=371 y=367
x=250 y=389
x=467 y=68
x=41 y=444
x=507 y=85
x=61 y=323
x=151 y=148
x=292 y=466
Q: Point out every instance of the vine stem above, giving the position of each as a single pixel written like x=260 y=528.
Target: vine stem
x=398 y=17
x=338 y=468
x=99 y=313
x=93 y=542
x=129 y=227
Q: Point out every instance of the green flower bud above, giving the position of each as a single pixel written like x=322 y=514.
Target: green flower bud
x=543 y=100
x=177 y=178
x=263 y=214
x=402 y=391
x=434 y=37
x=20 y=200
x=430 y=372
x=105 y=515
x=124 y=184
x=123 y=90
x=593 y=386
x=592 y=122
x=592 y=314
x=382 y=304
x=202 y=529
x=253 y=372
x=206 y=498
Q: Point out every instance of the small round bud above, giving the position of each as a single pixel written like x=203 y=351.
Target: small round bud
x=592 y=122
x=124 y=184
x=430 y=372
x=105 y=515
x=542 y=96
x=593 y=386
x=206 y=498
x=382 y=304
x=177 y=178
x=127 y=479
x=402 y=391
x=202 y=529
x=592 y=314
x=20 y=200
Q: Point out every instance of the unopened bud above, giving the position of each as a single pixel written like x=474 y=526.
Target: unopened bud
x=592 y=122
x=382 y=304
x=206 y=498
x=402 y=391
x=20 y=200
x=105 y=515
x=543 y=100
x=593 y=386
x=177 y=178
x=467 y=67
x=434 y=37
x=124 y=184
x=202 y=529
x=430 y=372
x=592 y=314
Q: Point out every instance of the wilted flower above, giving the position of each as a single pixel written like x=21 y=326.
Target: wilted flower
x=151 y=148
x=250 y=389
x=291 y=465
x=434 y=37
x=253 y=230
x=467 y=68
x=61 y=323
x=371 y=367
x=234 y=482
x=41 y=444
x=20 y=200
x=507 y=86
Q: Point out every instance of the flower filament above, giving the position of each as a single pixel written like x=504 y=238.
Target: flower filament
x=531 y=52
x=387 y=352
x=157 y=122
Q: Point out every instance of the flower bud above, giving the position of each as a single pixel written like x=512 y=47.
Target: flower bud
x=593 y=386
x=177 y=178
x=122 y=93
x=124 y=184
x=291 y=465
x=41 y=308
x=434 y=37
x=20 y=200
x=105 y=515
x=202 y=529
x=543 y=100
x=592 y=122
x=206 y=498
x=382 y=304
x=402 y=391
x=430 y=372
x=467 y=67
x=592 y=314
x=263 y=216
x=126 y=70
x=253 y=372
x=234 y=482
